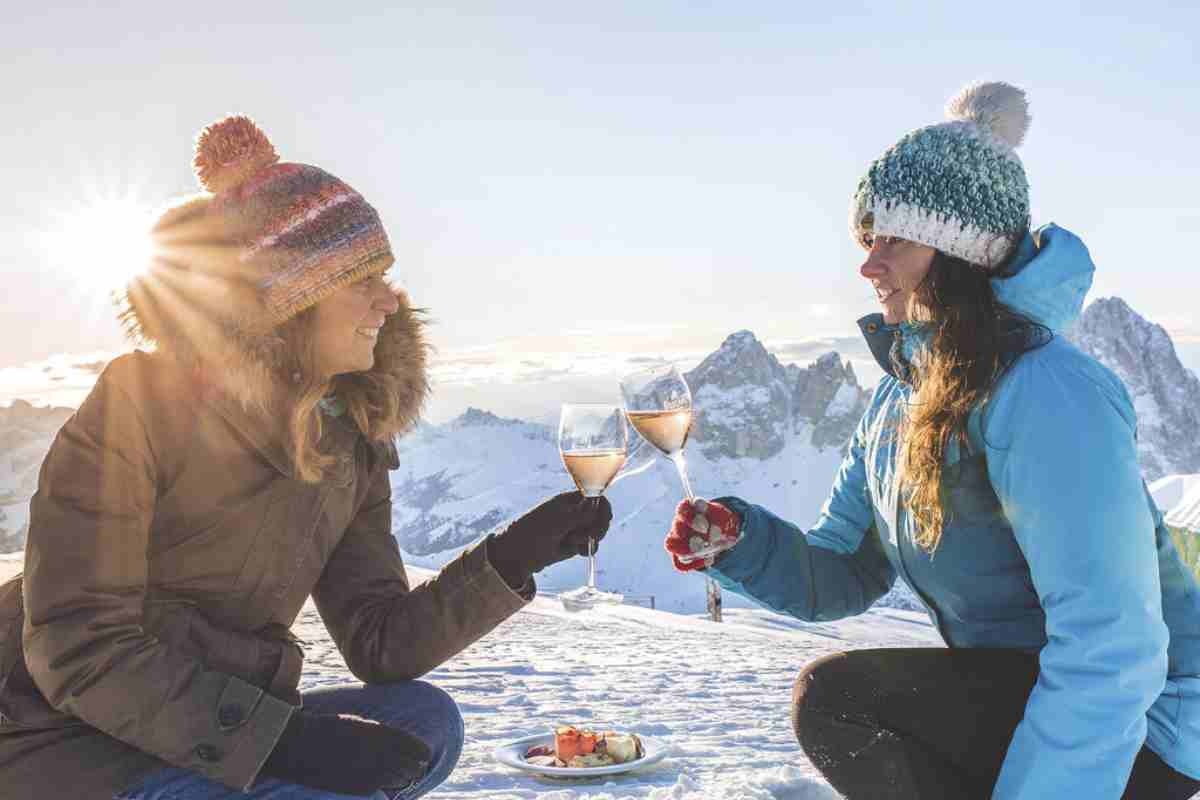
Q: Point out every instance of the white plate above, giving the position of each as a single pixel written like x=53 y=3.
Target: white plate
x=513 y=755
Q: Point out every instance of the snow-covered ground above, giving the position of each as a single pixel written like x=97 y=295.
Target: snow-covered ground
x=716 y=695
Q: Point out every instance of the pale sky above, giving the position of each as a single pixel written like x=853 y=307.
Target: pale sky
x=555 y=174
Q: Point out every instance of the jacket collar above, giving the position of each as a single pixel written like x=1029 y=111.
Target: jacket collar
x=894 y=346
x=338 y=435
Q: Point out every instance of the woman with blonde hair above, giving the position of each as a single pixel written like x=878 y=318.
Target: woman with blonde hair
x=203 y=491
x=995 y=470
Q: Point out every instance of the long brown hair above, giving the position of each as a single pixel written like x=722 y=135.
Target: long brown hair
x=974 y=339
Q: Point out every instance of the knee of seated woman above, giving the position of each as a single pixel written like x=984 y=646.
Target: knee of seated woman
x=431 y=707
x=812 y=691
x=842 y=685
x=819 y=679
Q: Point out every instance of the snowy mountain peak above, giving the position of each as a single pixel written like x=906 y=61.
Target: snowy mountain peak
x=828 y=397
x=477 y=417
x=740 y=360
x=742 y=338
x=749 y=405
x=743 y=400
x=1164 y=392
x=828 y=360
x=1112 y=318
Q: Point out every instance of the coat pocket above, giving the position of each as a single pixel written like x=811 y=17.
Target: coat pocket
x=286 y=551
x=268 y=658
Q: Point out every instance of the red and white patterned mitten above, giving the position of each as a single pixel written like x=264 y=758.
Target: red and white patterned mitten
x=700 y=532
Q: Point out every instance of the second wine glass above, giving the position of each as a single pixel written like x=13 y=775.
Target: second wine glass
x=658 y=403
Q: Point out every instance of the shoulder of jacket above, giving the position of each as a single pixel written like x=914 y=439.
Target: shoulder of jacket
x=1062 y=359
x=144 y=374
x=160 y=390
x=1058 y=372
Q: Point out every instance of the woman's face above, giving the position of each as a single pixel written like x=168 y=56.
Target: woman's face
x=347 y=326
x=895 y=267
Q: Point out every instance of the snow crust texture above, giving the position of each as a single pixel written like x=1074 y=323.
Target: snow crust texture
x=716 y=695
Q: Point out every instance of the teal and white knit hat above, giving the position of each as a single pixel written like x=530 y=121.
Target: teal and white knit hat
x=956 y=186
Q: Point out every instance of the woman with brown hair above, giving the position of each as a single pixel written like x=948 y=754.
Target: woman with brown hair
x=204 y=490
x=995 y=470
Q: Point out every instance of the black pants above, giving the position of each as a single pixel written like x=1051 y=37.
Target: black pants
x=930 y=723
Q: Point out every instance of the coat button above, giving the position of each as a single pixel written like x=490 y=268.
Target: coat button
x=230 y=715
x=872 y=327
x=207 y=752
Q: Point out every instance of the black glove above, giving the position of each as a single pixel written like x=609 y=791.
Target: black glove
x=346 y=755
x=554 y=531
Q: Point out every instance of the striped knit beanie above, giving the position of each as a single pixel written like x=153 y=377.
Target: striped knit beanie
x=300 y=233
x=956 y=186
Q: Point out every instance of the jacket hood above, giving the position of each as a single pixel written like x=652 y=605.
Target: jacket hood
x=193 y=307
x=1049 y=277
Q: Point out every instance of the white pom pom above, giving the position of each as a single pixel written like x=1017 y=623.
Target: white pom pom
x=1000 y=108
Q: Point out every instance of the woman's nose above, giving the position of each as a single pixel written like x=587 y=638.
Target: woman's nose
x=873 y=267
x=385 y=300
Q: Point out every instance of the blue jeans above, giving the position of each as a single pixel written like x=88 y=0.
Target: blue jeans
x=416 y=707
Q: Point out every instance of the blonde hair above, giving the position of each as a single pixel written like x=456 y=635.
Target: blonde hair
x=379 y=401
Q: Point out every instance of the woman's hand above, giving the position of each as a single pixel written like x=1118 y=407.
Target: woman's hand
x=701 y=525
x=346 y=754
x=554 y=531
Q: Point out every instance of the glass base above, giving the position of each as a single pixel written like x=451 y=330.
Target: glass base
x=586 y=597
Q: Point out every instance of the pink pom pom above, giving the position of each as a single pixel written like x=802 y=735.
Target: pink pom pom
x=231 y=151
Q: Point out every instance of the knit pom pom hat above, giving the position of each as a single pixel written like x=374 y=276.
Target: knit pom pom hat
x=956 y=186
x=300 y=233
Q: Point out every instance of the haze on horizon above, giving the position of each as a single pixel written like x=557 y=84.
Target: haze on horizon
x=565 y=178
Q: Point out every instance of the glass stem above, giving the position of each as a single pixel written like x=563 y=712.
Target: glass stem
x=681 y=465
x=591 y=580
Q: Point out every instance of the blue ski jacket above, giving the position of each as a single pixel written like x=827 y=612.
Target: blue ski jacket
x=1052 y=544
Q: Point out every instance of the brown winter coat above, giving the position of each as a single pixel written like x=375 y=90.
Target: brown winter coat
x=169 y=552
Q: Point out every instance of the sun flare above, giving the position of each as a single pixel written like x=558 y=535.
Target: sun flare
x=104 y=243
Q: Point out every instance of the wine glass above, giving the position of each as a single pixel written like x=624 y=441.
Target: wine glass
x=658 y=403
x=593 y=441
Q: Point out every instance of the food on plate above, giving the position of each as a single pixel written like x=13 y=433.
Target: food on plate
x=622 y=746
x=568 y=743
x=592 y=760
x=578 y=748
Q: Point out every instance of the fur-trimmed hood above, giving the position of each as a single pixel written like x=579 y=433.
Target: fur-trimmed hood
x=196 y=304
